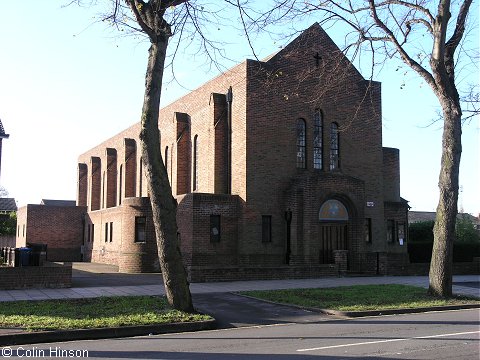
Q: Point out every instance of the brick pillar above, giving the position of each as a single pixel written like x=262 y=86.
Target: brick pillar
x=300 y=248
x=111 y=180
x=82 y=185
x=219 y=114
x=183 y=154
x=95 y=183
x=130 y=168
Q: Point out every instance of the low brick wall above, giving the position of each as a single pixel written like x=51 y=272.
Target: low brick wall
x=51 y=275
x=235 y=273
x=393 y=264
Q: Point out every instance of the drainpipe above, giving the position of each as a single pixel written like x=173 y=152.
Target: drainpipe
x=229 y=97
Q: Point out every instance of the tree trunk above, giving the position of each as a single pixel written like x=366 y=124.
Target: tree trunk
x=163 y=204
x=444 y=230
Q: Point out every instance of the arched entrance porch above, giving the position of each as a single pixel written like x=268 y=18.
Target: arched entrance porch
x=333 y=230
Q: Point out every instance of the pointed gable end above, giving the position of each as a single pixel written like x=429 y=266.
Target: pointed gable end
x=314 y=51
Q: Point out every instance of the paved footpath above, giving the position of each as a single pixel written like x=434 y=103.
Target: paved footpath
x=94 y=280
x=114 y=284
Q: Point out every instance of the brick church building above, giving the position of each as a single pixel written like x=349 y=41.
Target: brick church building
x=278 y=170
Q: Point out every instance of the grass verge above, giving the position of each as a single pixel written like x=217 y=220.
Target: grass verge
x=91 y=313
x=360 y=297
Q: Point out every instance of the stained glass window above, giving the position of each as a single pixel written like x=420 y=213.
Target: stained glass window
x=301 y=144
x=317 y=140
x=334 y=147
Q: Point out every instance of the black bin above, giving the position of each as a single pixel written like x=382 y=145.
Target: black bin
x=38 y=255
x=24 y=256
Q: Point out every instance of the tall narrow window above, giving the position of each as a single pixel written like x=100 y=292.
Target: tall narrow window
x=140 y=180
x=215 y=232
x=140 y=229
x=88 y=233
x=93 y=232
x=401 y=233
x=111 y=232
x=301 y=144
x=166 y=159
x=368 y=230
x=195 y=163
x=120 y=186
x=334 y=147
x=106 y=232
x=266 y=228
x=103 y=190
x=318 y=140
x=390 y=231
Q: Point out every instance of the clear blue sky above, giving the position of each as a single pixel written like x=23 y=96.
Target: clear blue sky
x=67 y=85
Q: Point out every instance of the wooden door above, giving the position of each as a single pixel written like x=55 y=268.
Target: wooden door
x=332 y=237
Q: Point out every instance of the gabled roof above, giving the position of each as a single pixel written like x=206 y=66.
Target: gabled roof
x=8 y=204
x=419 y=216
x=48 y=202
x=323 y=46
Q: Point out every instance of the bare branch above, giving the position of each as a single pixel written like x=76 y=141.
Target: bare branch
x=403 y=54
x=241 y=11
x=454 y=40
x=407 y=4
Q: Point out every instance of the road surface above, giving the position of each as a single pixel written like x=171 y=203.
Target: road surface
x=434 y=335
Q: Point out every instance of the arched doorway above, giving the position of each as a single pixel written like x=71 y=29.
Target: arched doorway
x=333 y=230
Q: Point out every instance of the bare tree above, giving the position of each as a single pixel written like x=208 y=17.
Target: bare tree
x=159 y=20
x=393 y=29
x=150 y=17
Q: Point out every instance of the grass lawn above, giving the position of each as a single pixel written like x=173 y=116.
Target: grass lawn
x=359 y=298
x=91 y=313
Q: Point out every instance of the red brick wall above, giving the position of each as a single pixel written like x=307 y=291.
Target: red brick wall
x=193 y=219
x=138 y=257
x=391 y=174
x=235 y=273
x=122 y=250
x=48 y=276
x=305 y=221
x=59 y=227
x=397 y=211
x=291 y=86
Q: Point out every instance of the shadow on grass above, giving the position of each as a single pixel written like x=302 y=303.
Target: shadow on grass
x=91 y=313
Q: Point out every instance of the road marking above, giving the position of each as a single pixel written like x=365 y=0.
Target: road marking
x=386 y=341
